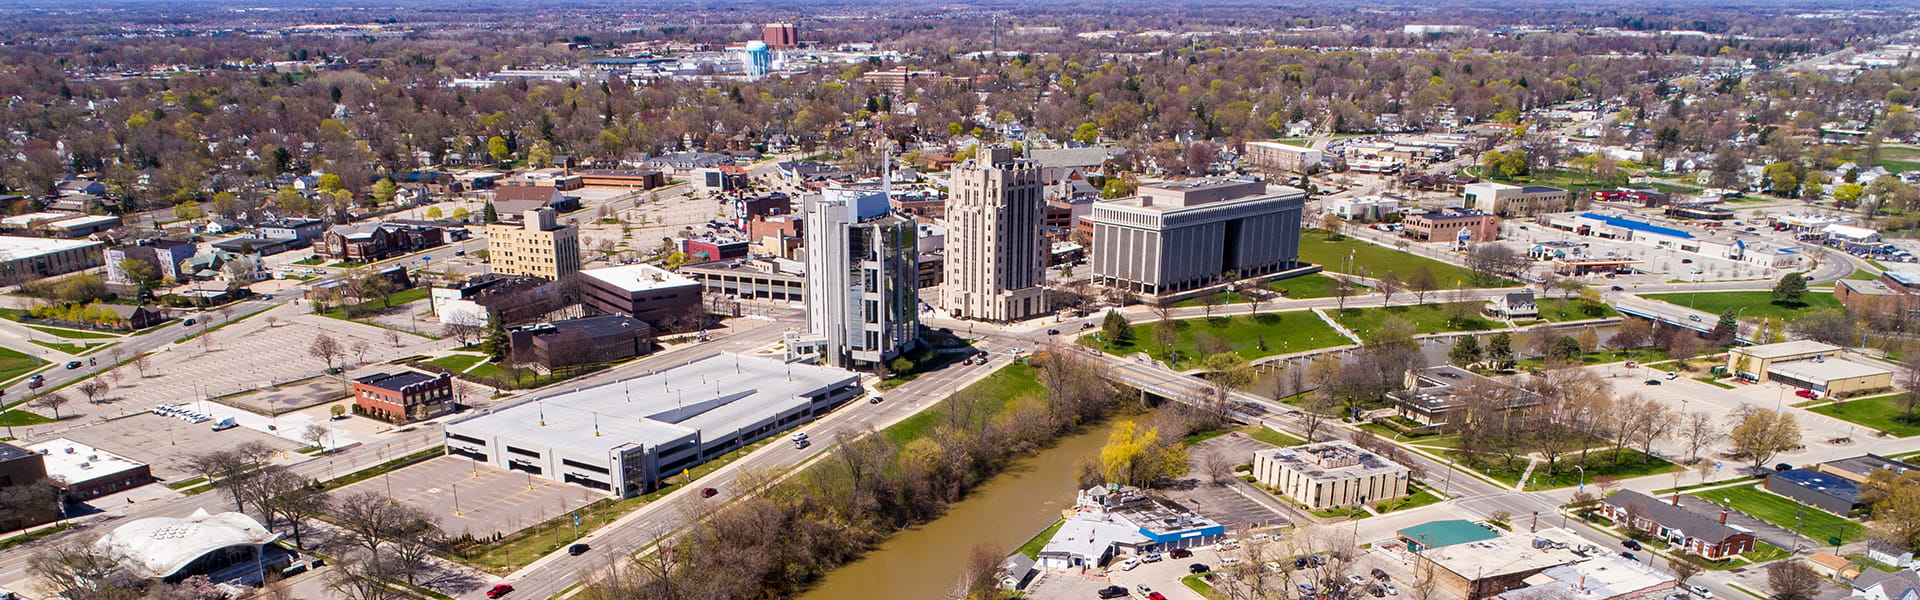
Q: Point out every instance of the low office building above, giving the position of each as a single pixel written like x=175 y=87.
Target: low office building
x=83 y=472
x=624 y=437
x=586 y=340
x=1819 y=490
x=1683 y=529
x=1364 y=208
x=1283 y=157
x=630 y=179
x=1859 y=468
x=403 y=396
x=709 y=248
x=1330 y=475
x=225 y=547
x=21 y=468
x=164 y=256
x=1517 y=201
x=289 y=229
x=1809 y=365
x=1894 y=293
x=1451 y=225
x=1487 y=568
x=1180 y=239
x=24 y=259
x=1433 y=394
x=641 y=291
x=1602 y=578
x=758 y=278
x=509 y=299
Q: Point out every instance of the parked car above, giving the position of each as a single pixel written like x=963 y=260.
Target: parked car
x=1701 y=591
x=1377 y=592
x=1653 y=382
x=1143 y=589
x=1300 y=563
x=1380 y=575
x=1631 y=544
x=1629 y=556
x=1113 y=591
x=1152 y=557
x=1156 y=596
x=1198 y=568
x=1128 y=564
x=1180 y=553
x=1231 y=561
x=708 y=492
x=1306 y=588
x=500 y=590
x=578 y=549
x=1391 y=591
x=1356 y=580
x=1782 y=468
x=1808 y=394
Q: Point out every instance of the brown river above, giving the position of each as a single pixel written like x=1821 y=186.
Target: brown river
x=926 y=563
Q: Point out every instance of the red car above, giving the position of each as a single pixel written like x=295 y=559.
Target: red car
x=499 y=590
x=1808 y=394
x=1156 y=596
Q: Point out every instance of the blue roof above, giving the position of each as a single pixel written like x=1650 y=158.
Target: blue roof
x=1638 y=225
x=1440 y=534
x=1822 y=483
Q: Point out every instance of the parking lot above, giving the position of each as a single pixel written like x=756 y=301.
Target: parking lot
x=1238 y=504
x=472 y=498
x=164 y=442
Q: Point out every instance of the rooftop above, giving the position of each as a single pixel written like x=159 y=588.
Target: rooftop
x=1821 y=482
x=1691 y=523
x=1506 y=554
x=397 y=382
x=1437 y=385
x=1328 y=461
x=159 y=546
x=1540 y=189
x=1908 y=278
x=1089 y=535
x=1866 y=464
x=1438 y=534
x=1786 y=349
x=638 y=277
x=1868 y=288
x=15 y=247
x=1830 y=369
x=1637 y=225
x=10 y=452
x=713 y=393
x=69 y=461
x=1608 y=576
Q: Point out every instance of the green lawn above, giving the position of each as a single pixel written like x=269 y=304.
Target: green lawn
x=1863 y=275
x=1489 y=465
x=18 y=418
x=456 y=362
x=1419 y=497
x=1750 y=305
x=1378 y=260
x=72 y=333
x=1426 y=318
x=1312 y=285
x=310 y=261
x=1563 y=309
x=1879 y=412
x=1674 y=188
x=1600 y=463
x=74 y=349
x=1597 y=357
x=14 y=363
x=1252 y=336
x=1780 y=510
x=1012 y=381
x=1198 y=583
x=1033 y=546
x=1260 y=433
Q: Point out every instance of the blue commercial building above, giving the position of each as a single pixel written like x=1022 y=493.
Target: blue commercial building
x=1826 y=492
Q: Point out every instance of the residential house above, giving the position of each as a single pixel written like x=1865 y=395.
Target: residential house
x=1875 y=584
x=1829 y=565
x=1890 y=555
x=1513 y=305
x=375 y=241
x=1683 y=529
x=136 y=317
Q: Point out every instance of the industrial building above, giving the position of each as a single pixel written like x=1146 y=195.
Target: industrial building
x=1809 y=365
x=24 y=259
x=1517 y=201
x=996 y=255
x=1330 y=475
x=862 y=301
x=1178 y=240
x=625 y=436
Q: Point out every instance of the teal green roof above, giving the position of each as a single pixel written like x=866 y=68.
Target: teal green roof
x=1440 y=534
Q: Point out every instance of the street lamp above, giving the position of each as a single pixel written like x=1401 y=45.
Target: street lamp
x=1583 y=478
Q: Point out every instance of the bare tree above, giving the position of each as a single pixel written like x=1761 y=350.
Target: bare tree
x=364 y=579
x=51 y=402
x=272 y=321
x=1792 y=580
x=983 y=563
x=80 y=569
x=393 y=337
x=1699 y=431
x=1388 y=285
x=94 y=389
x=1342 y=289
x=325 y=348
x=360 y=349
x=1682 y=569
x=1421 y=282
x=1219 y=470
x=464 y=333
x=313 y=434
x=141 y=363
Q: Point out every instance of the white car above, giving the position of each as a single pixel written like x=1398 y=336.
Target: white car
x=1230 y=561
x=800 y=436
x=1700 y=591
x=1128 y=564
x=1152 y=557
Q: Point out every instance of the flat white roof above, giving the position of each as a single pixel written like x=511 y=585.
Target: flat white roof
x=160 y=546
x=73 y=462
x=1824 y=371
x=712 y=395
x=1506 y=553
x=29 y=218
x=1785 y=349
x=13 y=247
x=639 y=278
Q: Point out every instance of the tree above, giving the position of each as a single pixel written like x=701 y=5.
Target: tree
x=1166 y=336
x=141 y=363
x=1831 y=326
x=141 y=273
x=1910 y=380
x=384 y=190
x=1589 y=339
x=1332 y=223
x=488 y=214
x=325 y=348
x=1792 y=580
x=1342 y=289
x=80 y=569
x=1725 y=329
x=1211 y=301
x=464 y=333
x=496 y=342
x=51 y=402
x=498 y=149
x=1490 y=262
x=1500 y=351
x=1759 y=434
x=1218 y=467
x=1387 y=285
x=1895 y=502
x=1565 y=349
x=93 y=389
x=1791 y=288
x=1134 y=455
x=1698 y=431
x=1682 y=569
x=1420 y=283
x=187 y=211
x=1465 y=352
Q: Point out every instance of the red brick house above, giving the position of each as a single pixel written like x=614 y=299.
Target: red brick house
x=1682 y=529
x=404 y=396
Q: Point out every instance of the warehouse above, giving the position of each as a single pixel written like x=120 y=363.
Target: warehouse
x=25 y=259
x=1809 y=365
x=623 y=437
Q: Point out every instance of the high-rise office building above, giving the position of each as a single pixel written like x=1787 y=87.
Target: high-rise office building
x=1180 y=238
x=862 y=258
x=780 y=35
x=535 y=245
x=996 y=256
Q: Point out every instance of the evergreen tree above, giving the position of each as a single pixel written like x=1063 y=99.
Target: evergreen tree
x=1500 y=350
x=1466 y=351
x=1724 y=330
x=1116 y=328
x=1791 y=289
x=490 y=216
x=496 y=343
x=1565 y=349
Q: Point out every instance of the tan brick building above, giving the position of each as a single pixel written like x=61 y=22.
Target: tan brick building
x=534 y=245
